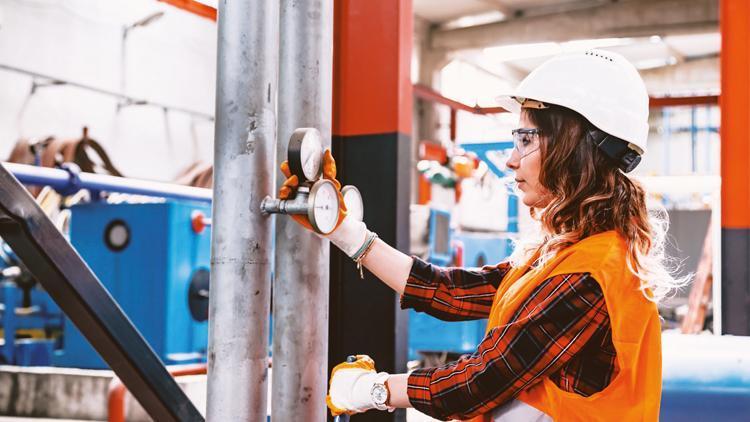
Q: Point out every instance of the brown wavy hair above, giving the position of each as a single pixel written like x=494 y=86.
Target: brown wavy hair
x=589 y=195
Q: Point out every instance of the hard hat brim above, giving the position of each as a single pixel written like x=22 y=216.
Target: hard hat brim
x=509 y=103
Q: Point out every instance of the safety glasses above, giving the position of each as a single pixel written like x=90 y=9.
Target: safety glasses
x=525 y=140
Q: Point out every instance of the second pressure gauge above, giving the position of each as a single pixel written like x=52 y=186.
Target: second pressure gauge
x=353 y=201
x=305 y=154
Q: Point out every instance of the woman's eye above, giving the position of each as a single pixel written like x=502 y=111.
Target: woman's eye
x=525 y=141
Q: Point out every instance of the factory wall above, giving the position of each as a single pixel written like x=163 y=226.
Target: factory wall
x=171 y=61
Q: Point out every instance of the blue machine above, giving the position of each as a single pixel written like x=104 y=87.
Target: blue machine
x=429 y=334
x=156 y=266
x=440 y=251
x=30 y=329
x=478 y=249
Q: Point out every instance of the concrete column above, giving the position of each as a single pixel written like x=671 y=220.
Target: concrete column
x=300 y=294
x=372 y=125
x=241 y=244
x=735 y=175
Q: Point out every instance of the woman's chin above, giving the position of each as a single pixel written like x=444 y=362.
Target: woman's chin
x=529 y=200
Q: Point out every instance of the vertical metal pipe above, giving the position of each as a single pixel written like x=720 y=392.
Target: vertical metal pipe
x=300 y=293
x=241 y=248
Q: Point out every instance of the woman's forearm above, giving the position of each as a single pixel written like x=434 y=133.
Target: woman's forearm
x=397 y=387
x=389 y=265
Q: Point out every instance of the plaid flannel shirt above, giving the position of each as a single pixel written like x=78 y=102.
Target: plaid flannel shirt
x=562 y=331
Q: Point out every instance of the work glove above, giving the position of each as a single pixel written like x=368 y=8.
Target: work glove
x=351 y=386
x=349 y=234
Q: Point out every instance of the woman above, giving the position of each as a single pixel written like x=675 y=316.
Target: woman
x=573 y=330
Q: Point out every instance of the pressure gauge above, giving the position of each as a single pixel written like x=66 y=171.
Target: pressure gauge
x=305 y=154
x=324 y=206
x=353 y=200
x=320 y=203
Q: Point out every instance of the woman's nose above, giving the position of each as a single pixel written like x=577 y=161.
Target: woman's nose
x=514 y=161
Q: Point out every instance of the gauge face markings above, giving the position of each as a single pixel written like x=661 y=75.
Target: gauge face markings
x=305 y=154
x=311 y=155
x=325 y=207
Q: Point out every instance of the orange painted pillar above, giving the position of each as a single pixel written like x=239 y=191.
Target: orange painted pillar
x=735 y=171
x=372 y=120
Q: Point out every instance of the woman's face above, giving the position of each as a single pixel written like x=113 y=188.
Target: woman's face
x=526 y=161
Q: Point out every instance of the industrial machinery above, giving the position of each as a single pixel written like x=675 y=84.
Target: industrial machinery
x=470 y=249
x=448 y=246
x=31 y=321
x=155 y=262
x=151 y=255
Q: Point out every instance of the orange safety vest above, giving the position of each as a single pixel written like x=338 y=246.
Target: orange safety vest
x=634 y=393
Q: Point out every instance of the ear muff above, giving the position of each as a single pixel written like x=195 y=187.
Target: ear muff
x=616 y=149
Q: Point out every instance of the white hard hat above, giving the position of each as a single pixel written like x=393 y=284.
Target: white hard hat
x=602 y=86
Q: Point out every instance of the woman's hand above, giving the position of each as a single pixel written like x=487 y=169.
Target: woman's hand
x=351 y=386
x=290 y=185
x=350 y=235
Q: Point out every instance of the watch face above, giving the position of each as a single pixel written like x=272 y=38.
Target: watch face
x=379 y=394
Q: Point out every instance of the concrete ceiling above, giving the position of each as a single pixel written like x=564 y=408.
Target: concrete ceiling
x=511 y=37
x=448 y=11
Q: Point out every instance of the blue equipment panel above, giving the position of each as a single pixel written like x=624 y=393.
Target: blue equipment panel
x=429 y=334
x=440 y=251
x=705 y=378
x=155 y=266
x=41 y=315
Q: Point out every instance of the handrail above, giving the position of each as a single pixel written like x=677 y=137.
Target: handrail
x=70 y=181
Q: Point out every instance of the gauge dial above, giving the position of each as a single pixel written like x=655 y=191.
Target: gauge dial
x=323 y=211
x=353 y=200
x=305 y=154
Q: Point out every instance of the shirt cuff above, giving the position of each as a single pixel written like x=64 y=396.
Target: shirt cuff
x=418 y=391
x=420 y=287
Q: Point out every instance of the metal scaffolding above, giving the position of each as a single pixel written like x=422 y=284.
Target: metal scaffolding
x=247 y=74
x=300 y=296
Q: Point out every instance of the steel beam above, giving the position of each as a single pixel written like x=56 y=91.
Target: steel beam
x=633 y=18
x=300 y=294
x=75 y=288
x=241 y=243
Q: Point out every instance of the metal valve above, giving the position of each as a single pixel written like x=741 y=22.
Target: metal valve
x=320 y=203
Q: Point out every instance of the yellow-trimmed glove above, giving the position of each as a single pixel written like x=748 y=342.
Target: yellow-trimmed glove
x=351 y=386
x=349 y=234
x=292 y=182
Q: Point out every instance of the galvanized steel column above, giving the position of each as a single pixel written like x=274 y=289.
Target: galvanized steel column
x=300 y=293
x=247 y=75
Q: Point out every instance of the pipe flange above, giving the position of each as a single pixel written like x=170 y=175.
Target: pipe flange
x=74 y=179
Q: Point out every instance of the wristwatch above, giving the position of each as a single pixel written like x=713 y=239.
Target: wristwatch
x=379 y=393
